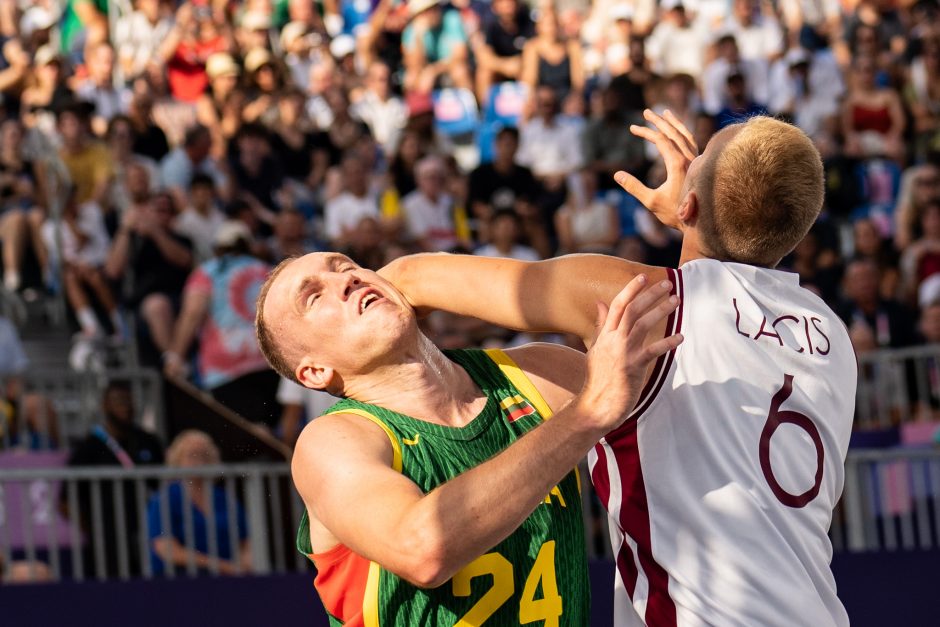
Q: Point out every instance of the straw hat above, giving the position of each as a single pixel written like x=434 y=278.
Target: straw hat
x=420 y=6
x=256 y=58
x=221 y=64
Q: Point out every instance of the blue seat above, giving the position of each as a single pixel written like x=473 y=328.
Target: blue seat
x=455 y=112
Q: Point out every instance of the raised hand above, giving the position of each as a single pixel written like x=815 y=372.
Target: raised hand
x=678 y=149
x=622 y=351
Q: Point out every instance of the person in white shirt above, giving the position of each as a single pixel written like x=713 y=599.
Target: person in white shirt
x=428 y=211
x=138 y=35
x=384 y=113
x=344 y=212
x=202 y=218
x=757 y=33
x=808 y=87
x=549 y=145
x=677 y=44
x=99 y=88
x=728 y=62
x=504 y=230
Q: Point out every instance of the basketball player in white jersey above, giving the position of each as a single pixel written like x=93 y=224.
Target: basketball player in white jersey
x=721 y=485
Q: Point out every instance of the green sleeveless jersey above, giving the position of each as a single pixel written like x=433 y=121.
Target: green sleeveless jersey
x=538 y=575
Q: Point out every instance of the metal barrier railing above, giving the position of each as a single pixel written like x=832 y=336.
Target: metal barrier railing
x=106 y=522
x=115 y=523
x=897 y=386
x=52 y=409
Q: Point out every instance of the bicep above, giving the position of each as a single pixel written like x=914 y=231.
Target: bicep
x=344 y=473
x=556 y=371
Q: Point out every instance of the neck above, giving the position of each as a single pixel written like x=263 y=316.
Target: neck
x=424 y=384
x=691 y=247
x=115 y=429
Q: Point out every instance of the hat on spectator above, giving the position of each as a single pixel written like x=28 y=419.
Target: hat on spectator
x=256 y=58
x=46 y=55
x=36 y=19
x=621 y=12
x=292 y=32
x=668 y=5
x=416 y=7
x=256 y=20
x=419 y=103
x=221 y=64
x=342 y=46
x=230 y=232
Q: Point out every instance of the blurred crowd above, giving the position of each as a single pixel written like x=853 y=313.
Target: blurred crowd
x=157 y=158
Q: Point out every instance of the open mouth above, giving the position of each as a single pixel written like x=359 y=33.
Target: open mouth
x=367 y=300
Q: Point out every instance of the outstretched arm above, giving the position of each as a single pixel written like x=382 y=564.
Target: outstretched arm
x=341 y=466
x=555 y=295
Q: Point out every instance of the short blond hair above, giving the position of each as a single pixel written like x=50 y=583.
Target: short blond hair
x=761 y=193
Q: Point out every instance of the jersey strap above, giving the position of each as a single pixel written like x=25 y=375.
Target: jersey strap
x=520 y=381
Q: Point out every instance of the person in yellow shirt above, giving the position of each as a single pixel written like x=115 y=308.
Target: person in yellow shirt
x=87 y=161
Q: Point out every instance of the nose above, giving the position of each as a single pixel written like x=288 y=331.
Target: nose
x=345 y=283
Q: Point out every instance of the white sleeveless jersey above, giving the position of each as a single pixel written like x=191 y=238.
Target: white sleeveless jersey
x=721 y=485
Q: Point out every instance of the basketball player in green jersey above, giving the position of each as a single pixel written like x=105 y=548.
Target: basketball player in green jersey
x=439 y=493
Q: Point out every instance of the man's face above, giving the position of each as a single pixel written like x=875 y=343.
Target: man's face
x=506 y=146
x=861 y=281
x=325 y=311
x=118 y=406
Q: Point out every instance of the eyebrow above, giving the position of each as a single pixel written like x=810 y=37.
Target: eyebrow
x=332 y=261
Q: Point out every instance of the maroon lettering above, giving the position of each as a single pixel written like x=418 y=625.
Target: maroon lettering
x=820 y=331
x=763 y=325
x=806 y=328
x=781 y=319
x=737 y=318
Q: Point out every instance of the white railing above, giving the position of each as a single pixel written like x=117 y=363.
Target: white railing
x=897 y=386
x=102 y=523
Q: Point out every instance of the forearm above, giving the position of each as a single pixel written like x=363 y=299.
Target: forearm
x=118 y=256
x=466 y=516
x=556 y=295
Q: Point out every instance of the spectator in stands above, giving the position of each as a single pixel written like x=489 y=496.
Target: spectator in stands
x=435 y=46
x=209 y=509
x=87 y=160
x=550 y=147
x=219 y=308
x=551 y=60
x=117 y=441
x=428 y=212
x=728 y=63
x=149 y=139
x=756 y=31
x=806 y=88
x=256 y=172
x=505 y=229
x=138 y=35
x=82 y=240
x=677 y=45
x=121 y=139
x=264 y=83
x=609 y=146
x=21 y=201
x=99 y=89
x=223 y=74
x=154 y=263
x=737 y=105
x=84 y=23
x=45 y=90
x=921 y=260
x=869 y=243
x=818 y=265
x=382 y=111
x=498 y=53
x=290 y=238
x=872 y=116
x=354 y=203
x=920 y=185
x=196 y=35
x=922 y=96
x=181 y=164
x=890 y=323
x=201 y=218
x=586 y=223
x=631 y=85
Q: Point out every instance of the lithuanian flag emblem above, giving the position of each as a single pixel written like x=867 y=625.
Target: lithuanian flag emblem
x=516 y=407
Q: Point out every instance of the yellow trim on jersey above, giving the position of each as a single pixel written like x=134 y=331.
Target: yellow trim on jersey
x=370 y=602
x=518 y=378
x=396 y=447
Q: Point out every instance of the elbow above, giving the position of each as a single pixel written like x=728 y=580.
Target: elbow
x=427 y=562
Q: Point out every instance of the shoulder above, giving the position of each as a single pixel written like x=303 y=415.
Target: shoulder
x=336 y=443
x=556 y=371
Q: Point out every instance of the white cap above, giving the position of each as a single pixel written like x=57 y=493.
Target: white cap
x=230 y=232
x=342 y=45
x=35 y=19
x=796 y=56
x=621 y=12
x=256 y=20
x=668 y=5
x=291 y=32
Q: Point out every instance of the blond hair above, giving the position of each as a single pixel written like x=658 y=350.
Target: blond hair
x=269 y=348
x=177 y=448
x=762 y=193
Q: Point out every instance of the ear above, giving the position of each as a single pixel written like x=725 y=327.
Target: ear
x=310 y=375
x=688 y=209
